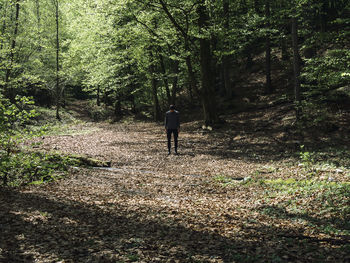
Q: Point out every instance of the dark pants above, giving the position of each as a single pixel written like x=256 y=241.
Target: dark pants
x=176 y=134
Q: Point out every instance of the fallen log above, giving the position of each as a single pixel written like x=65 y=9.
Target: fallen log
x=81 y=160
x=77 y=160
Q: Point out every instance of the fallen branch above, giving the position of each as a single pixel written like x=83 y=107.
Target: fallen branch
x=87 y=161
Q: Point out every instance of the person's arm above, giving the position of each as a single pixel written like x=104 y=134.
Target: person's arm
x=166 y=122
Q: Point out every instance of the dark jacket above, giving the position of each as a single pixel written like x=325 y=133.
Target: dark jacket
x=172 y=120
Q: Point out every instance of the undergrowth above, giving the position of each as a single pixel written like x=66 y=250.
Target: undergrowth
x=33 y=168
x=20 y=165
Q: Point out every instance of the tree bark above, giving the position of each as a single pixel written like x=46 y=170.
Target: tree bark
x=37 y=3
x=165 y=78
x=284 y=49
x=226 y=59
x=58 y=90
x=118 y=107
x=98 y=100
x=268 y=87
x=207 y=90
x=323 y=15
x=156 y=107
x=8 y=90
x=175 y=82
x=296 y=64
x=3 y=24
x=192 y=77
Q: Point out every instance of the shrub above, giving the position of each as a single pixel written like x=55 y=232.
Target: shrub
x=13 y=119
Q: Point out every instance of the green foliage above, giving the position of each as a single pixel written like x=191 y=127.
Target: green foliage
x=327 y=71
x=115 y=48
x=330 y=199
x=33 y=168
x=99 y=113
x=13 y=118
x=306 y=158
x=314 y=116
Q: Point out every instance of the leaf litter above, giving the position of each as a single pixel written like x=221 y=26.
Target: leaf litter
x=150 y=207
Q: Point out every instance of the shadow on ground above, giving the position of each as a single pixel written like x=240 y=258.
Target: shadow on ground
x=77 y=232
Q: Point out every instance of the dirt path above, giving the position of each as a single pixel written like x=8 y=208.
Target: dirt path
x=156 y=208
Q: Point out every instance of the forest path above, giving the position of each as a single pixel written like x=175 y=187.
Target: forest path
x=152 y=207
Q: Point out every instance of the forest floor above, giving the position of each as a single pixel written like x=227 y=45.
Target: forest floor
x=240 y=194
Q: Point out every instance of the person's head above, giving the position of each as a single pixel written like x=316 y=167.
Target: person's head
x=172 y=107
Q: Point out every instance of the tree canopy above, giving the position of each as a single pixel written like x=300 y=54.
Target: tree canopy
x=145 y=54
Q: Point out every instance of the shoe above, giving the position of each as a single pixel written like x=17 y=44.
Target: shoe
x=169 y=153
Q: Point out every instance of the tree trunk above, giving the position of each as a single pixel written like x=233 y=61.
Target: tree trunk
x=8 y=90
x=268 y=87
x=323 y=15
x=64 y=101
x=207 y=90
x=98 y=95
x=156 y=107
x=3 y=29
x=58 y=90
x=226 y=59
x=117 y=107
x=175 y=82
x=191 y=74
x=37 y=3
x=165 y=78
x=192 y=78
x=296 y=64
x=284 y=49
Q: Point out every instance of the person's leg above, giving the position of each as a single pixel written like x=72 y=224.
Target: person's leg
x=176 y=135
x=169 y=140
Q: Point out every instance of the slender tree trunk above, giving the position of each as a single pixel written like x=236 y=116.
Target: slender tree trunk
x=249 y=58
x=191 y=74
x=226 y=59
x=156 y=107
x=58 y=90
x=207 y=90
x=117 y=107
x=192 y=78
x=8 y=90
x=323 y=15
x=296 y=64
x=3 y=29
x=5 y=179
x=64 y=101
x=98 y=95
x=268 y=87
x=37 y=3
x=284 y=49
x=175 y=82
x=165 y=78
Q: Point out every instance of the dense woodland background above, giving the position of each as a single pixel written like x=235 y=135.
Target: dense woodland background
x=140 y=56
x=209 y=58
x=263 y=88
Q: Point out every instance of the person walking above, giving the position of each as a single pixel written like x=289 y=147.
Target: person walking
x=172 y=126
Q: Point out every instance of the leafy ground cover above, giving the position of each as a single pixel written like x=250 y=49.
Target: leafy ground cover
x=243 y=193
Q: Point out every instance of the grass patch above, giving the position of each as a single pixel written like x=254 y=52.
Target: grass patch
x=47 y=123
x=323 y=205
x=226 y=181
x=32 y=168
